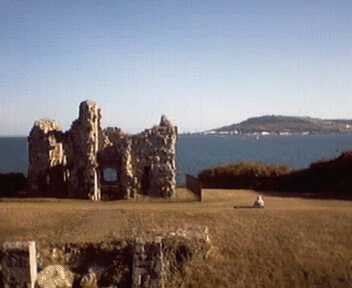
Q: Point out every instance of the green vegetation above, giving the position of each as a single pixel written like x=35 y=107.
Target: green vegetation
x=243 y=175
x=11 y=184
x=325 y=178
x=331 y=178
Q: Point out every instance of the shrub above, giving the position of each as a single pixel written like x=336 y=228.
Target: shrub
x=242 y=175
x=330 y=178
x=11 y=184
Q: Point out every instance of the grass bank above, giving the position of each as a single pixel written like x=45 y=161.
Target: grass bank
x=293 y=242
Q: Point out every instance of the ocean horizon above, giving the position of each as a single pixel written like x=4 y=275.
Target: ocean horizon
x=198 y=152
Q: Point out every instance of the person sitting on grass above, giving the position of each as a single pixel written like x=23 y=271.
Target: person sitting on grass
x=259 y=203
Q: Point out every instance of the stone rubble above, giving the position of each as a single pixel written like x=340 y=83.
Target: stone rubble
x=89 y=281
x=55 y=276
x=148 y=265
x=193 y=232
x=143 y=262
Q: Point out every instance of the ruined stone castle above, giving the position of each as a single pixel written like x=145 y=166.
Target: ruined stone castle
x=89 y=162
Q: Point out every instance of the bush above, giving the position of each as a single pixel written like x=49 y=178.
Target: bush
x=331 y=178
x=244 y=175
x=11 y=184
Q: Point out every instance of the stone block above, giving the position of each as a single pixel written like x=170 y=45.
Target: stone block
x=148 y=265
x=19 y=264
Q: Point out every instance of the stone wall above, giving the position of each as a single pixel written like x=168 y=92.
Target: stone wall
x=148 y=261
x=46 y=158
x=193 y=184
x=148 y=269
x=154 y=160
x=18 y=265
x=72 y=164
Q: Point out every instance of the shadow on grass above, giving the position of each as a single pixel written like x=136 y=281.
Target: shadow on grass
x=307 y=195
x=244 y=207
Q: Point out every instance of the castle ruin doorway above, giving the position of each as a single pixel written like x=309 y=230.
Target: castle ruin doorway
x=146 y=180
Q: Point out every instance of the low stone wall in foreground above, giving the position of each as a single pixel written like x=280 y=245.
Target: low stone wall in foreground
x=142 y=262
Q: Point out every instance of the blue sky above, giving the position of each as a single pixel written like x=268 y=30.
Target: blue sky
x=203 y=63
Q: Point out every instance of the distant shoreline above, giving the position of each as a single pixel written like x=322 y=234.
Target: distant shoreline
x=263 y=134
x=285 y=125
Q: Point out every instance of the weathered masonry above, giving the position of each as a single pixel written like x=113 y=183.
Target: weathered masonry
x=155 y=259
x=89 y=162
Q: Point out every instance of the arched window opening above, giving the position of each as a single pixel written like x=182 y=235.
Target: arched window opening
x=110 y=175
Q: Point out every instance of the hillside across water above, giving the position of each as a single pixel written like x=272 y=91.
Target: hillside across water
x=283 y=125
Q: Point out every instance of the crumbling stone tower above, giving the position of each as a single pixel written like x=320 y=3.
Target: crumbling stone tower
x=89 y=162
x=47 y=159
x=82 y=149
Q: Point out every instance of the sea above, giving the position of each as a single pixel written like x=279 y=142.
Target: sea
x=198 y=152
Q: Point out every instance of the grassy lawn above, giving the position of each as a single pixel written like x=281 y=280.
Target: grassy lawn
x=293 y=242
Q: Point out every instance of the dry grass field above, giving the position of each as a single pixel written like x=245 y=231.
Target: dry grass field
x=293 y=242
